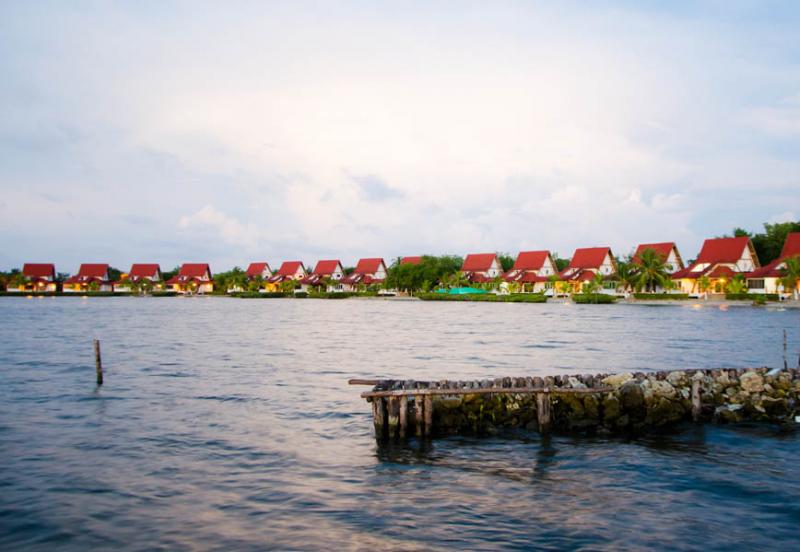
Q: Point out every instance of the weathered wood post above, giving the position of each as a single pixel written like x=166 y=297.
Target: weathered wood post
x=419 y=415
x=428 y=415
x=403 y=416
x=785 y=361
x=697 y=405
x=393 y=415
x=98 y=363
x=379 y=416
x=543 y=411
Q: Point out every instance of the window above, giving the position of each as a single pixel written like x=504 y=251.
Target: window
x=755 y=284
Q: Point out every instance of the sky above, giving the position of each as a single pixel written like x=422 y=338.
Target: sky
x=232 y=132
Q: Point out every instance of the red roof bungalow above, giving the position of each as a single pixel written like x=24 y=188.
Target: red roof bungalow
x=481 y=267
x=139 y=272
x=532 y=269
x=668 y=252
x=289 y=270
x=411 y=260
x=719 y=260
x=37 y=278
x=586 y=263
x=767 y=278
x=331 y=269
x=368 y=272
x=90 y=277
x=192 y=278
x=256 y=270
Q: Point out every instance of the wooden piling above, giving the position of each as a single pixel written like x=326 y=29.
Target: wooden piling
x=419 y=416
x=379 y=416
x=403 y=416
x=543 y=411
x=428 y=415
x=98 y=362
x=697 y=405
x=393 y=415
x=785 y=360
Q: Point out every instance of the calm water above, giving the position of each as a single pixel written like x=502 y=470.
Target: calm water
x=229 y=424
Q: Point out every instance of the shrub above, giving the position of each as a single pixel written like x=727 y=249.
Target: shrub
x=593 y=298
x=486 y=298
x=661 y=296
x=751 y=296
x=259 y=295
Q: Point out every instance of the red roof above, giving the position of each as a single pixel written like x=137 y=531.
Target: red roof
x=290 y=268
x=257 y=269
x=791 y=246
x=721 y=272
x=194 y=270
x=411 y=260
x=39 y=270
x=478 y=262
x=142 y=270
x=589 y=257
x=93 y=271
x=530 y=260
x=531 y=278
x=768 y=271
x=723 y=250
x=662 y=250
x=326 y=268
x=368 y=266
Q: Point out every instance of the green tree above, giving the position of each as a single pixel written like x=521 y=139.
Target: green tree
x=737 y=285
x=288 y=286
x=94 y=285
x=703 y=284
x=651 y=272
x=506 y=261
x=790 y=275
x=561 y=264
x=626 y=276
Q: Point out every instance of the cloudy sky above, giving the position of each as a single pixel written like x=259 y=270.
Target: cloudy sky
x=231 y=132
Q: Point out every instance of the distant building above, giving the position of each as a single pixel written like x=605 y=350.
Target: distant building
x=39 y=278
x=668 y=252
x=140 y=271
x=325 y=270
x=719 y=261
x=289 y=270
x=532 y=270
x=192 y=278
x=767 y=279
x=90 y=277
x=411 y=260
x=481 y=268
x=586 y=263
x=368 y=272
x=256 y=270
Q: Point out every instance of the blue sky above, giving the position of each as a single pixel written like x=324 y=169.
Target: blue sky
x=234 y=132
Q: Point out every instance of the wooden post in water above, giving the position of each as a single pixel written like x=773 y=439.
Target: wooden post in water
x=98 y=363
x=428 y=415
x=403 y=416
x=419 y=416
x=785 y=361
x=393 y=415
x=697 y=405
x=543 y=411
x=379 y=416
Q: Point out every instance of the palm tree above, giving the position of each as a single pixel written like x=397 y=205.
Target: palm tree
x=737 y=285
x=790 y=276
x=703 y=285
x=651 y=272
x=626 y=276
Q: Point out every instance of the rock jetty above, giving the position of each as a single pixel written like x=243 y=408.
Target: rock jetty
x=594 y=404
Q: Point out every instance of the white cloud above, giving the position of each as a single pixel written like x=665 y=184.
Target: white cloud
x=211 y=223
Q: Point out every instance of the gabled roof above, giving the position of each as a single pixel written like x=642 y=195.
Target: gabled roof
x=144 y=270
x=791 y=246
x=723 y=250
x=478 y=262
x=93 y=271
x=39 y=270
x=530 y=260
x=326 y=268
x=290 y=268
x=768 y=271
x=589 y=257
x=722 y=271
x=411 y=260
x=257 y=269
x=368 y=266
x=662 y=249
x=194 y=270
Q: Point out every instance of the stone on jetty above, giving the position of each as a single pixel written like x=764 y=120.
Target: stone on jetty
x=590 y=403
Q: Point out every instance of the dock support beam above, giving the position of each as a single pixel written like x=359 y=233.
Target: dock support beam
x=428 y=415
x=697 y=405
x=543 y=411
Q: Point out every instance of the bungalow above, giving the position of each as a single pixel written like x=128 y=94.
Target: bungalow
x=668 y=252
x=480 y=268
x=90 y=277
x=256 y=270
x=325 y=270
x=368 y=272
x=288 y=271
x=532 y=270
x=192 y=278
x=139 y=272
x=38 y=277
x=586 y=263
x=767 y=279
x=719 y=260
